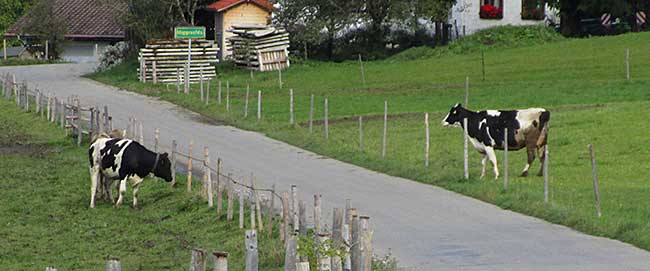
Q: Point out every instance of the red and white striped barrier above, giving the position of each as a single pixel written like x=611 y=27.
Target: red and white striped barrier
x=606 y=19
x=640 y=18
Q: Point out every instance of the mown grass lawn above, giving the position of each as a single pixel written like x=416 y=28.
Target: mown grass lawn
x=581 y=81
x=44 y=197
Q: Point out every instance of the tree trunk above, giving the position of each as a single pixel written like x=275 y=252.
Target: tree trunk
x=570 y=20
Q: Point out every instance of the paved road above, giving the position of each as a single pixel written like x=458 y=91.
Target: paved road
x=427 y=228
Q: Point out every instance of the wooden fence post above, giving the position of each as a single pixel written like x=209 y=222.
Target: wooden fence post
x=198 y=260
x=229 y=195
x=227 y=96
x=155 y=73
x=258 y=207
x=113 y=265
x=302 y=217
x=156 y=138
x=365 y=238
x=187 y=79
x=107 y=128
x=355 y=251
x=219 y=188
x=173 y=166
x=248 y=88
x=201 y=84
x=505 y=159
x=252 y=261
x=207 y=93
x=324 y=261
x=383 y=145
x=294 y=208
x=284 y=231
x=311 y=114
x=317 y=213
x=4 y=49
x=50 y=268
x=426 y=139
x=259 y=105
x=546 y=173
x=209 y=183
x=337 y=238
x=220 y=259
x=178 y=80
x=271 y=212
x=280 y=77
x=189 y=167
x=361 y=133
x=241 y=210
x=253 y=204
x=79 y=128
x=291 y=107
x=142 y=70
x=327 y=130
x=291 y=250
x=302 y=266
x=465 y=151
x=595 y=177
x=219 y=93
x=347 y=260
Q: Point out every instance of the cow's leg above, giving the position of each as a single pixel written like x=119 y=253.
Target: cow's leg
x=483 y=161
x=108 y=194
x=136 y=187
x=493 y=159
x=531 y=158
x=122 y=189
x=542 y=159
x=94 y=173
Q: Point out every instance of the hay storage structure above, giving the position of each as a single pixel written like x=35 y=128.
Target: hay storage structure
x=170 y=56
x=261 y=48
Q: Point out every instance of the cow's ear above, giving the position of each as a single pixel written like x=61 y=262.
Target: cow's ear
x=164 y=155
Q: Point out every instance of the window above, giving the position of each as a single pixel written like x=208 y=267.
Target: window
x=491 y=9
x=532 y=9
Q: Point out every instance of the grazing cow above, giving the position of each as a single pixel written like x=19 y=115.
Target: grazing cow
x=104 y=187
x=527 y=128
x=122 y=159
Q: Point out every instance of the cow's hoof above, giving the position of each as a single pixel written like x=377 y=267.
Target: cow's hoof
x=540 y=174
x=92 y=206
x=524 y=174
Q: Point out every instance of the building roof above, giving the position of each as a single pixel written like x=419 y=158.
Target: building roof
x=222 y=5
x=85 y=19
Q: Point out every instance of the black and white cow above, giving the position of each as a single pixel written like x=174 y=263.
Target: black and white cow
x=527 y=128
x=122 y=159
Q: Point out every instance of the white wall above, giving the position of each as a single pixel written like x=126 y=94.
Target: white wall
x=82 y=51
x=466 y=13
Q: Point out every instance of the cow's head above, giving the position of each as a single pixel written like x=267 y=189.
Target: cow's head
x=455 y=115
x=163 y=168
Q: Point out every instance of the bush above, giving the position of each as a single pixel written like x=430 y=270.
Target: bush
x=112 y=55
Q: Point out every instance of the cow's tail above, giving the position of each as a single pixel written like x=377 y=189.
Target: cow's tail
x=544 y=118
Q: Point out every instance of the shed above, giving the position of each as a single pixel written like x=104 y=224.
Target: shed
x=237 y=12
x=91 y=26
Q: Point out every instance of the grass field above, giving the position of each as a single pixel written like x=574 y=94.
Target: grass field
x=581 y=81
x=46 y=221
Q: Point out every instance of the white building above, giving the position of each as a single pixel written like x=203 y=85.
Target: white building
x=90 y=25
x=473 y=15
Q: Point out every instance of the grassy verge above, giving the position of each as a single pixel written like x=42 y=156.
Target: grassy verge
x=581 y=81
x=46 y=220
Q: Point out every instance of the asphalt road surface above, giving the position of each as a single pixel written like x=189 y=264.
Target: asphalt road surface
x=425 y=227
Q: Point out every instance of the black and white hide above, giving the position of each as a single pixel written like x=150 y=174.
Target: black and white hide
x=122 y=160
x=527 y=128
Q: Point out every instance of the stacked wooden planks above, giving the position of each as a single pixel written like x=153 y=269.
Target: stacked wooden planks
x=260 y=48
x=168 y=57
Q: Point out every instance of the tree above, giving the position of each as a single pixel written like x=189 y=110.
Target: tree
x=318 y=21
x=572 y=11
x=436 y=11
x=44 y=26
x=11 y=11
